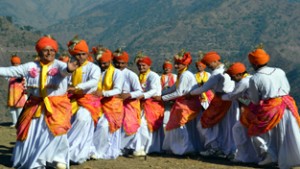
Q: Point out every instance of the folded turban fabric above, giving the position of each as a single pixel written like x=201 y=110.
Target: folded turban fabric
x=121 y=55
x=185 y=58
x=76 y=46
x=236 y=68
x=210 y=57
x=201 y=64
x=258 y=57
x=46 y=41
x=15 y=59
x=145 y=59
x=167 y=64
x=102 y=54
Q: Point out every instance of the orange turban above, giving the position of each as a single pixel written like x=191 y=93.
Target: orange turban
x=90 y=58
x=258 y=57
x=64 y=58
x=236 y=68
x=102 y=54
x=201 y=64
x=210 y=57
x=167 y=64
x=121 y=55
x=15 y=59
x=146 y=59
x=183 y=58
x=77 y=46
x=46 y=41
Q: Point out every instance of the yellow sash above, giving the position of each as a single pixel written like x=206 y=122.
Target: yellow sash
x=201 y=80
x=77 y=74
x=179 y=74
x=43 y=81
x=143 y=77
x=108 y=79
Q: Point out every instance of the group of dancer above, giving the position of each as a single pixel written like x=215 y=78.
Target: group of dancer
x=91 y=106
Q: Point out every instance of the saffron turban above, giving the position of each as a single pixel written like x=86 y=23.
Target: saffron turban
x=46 y=41
x=102 y=54
x=184 y=58
x=76 y=46
x=167 y=64
x=15 y=59
x=258 y=57
x=201 y=64
x=145 y=59
x=210 y=57
x=236 y=68
x=121 y=55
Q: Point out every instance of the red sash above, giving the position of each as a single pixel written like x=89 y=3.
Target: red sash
x=215 y=112
x=183 y=111
x=132 y=116
x=58 y=122
x=154 y=112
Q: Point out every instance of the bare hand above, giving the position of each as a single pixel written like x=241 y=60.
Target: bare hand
x=125 y=96
x=157 y=98
x=72 y=65
x=141 y=97
x=98 y=93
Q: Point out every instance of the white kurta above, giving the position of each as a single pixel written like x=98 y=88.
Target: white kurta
x=245 y=150
x=219 y=136
x=81 y=134
x=133 y=87
x=168 y=104
x=282 y=142
x=204 y=104
x=40 y=146
x=107 y=145
x=184 y=139
x=150 y=141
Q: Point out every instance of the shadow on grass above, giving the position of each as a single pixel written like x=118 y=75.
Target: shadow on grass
x=5 y=124
x=5 y=155
x=212 y=160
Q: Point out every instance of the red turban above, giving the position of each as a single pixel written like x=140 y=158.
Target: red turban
x=201 y=64
x=185 y=59
x=102 y=54
x=144 y=59
x=210 y=57
x=167 y=64
x=15 y=60
x=258 y=57
x=77 y=46
x=90 y=58
x=46 y=41
x=236 y=68
x=121 y=56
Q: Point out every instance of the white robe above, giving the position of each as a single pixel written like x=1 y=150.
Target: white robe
x=184 y=139
x=81 y=134
x=283 y=141
x=41 y=146
x=107 y=145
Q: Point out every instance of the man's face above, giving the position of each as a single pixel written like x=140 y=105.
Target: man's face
x=120 y=64
x=47 y=55
x=213 y=65
x=167 y=70
x=179 y=66
x=81 y=57
x=199 y=68
x=142 y=67
x=104 y=65
x=237 y=77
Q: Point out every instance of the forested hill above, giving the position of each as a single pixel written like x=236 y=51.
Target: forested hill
x=161 y=28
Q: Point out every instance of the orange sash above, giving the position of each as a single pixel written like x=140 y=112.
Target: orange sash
x=132 y=116
x=16 y=96
x=215 y=112
x=171 y=80
x=183 y=111
x=58 y=121
x=113 y=109
x=91 y=103
x=266 y=115
x=154 y=113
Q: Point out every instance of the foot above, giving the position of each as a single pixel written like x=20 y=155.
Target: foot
x=93 y=157
x=12 y=126
x=266 y=161
x=139 y=153
x=209 y=152
x=61 y=166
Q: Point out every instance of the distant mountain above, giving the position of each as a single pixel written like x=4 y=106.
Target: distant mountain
x=162 y=27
